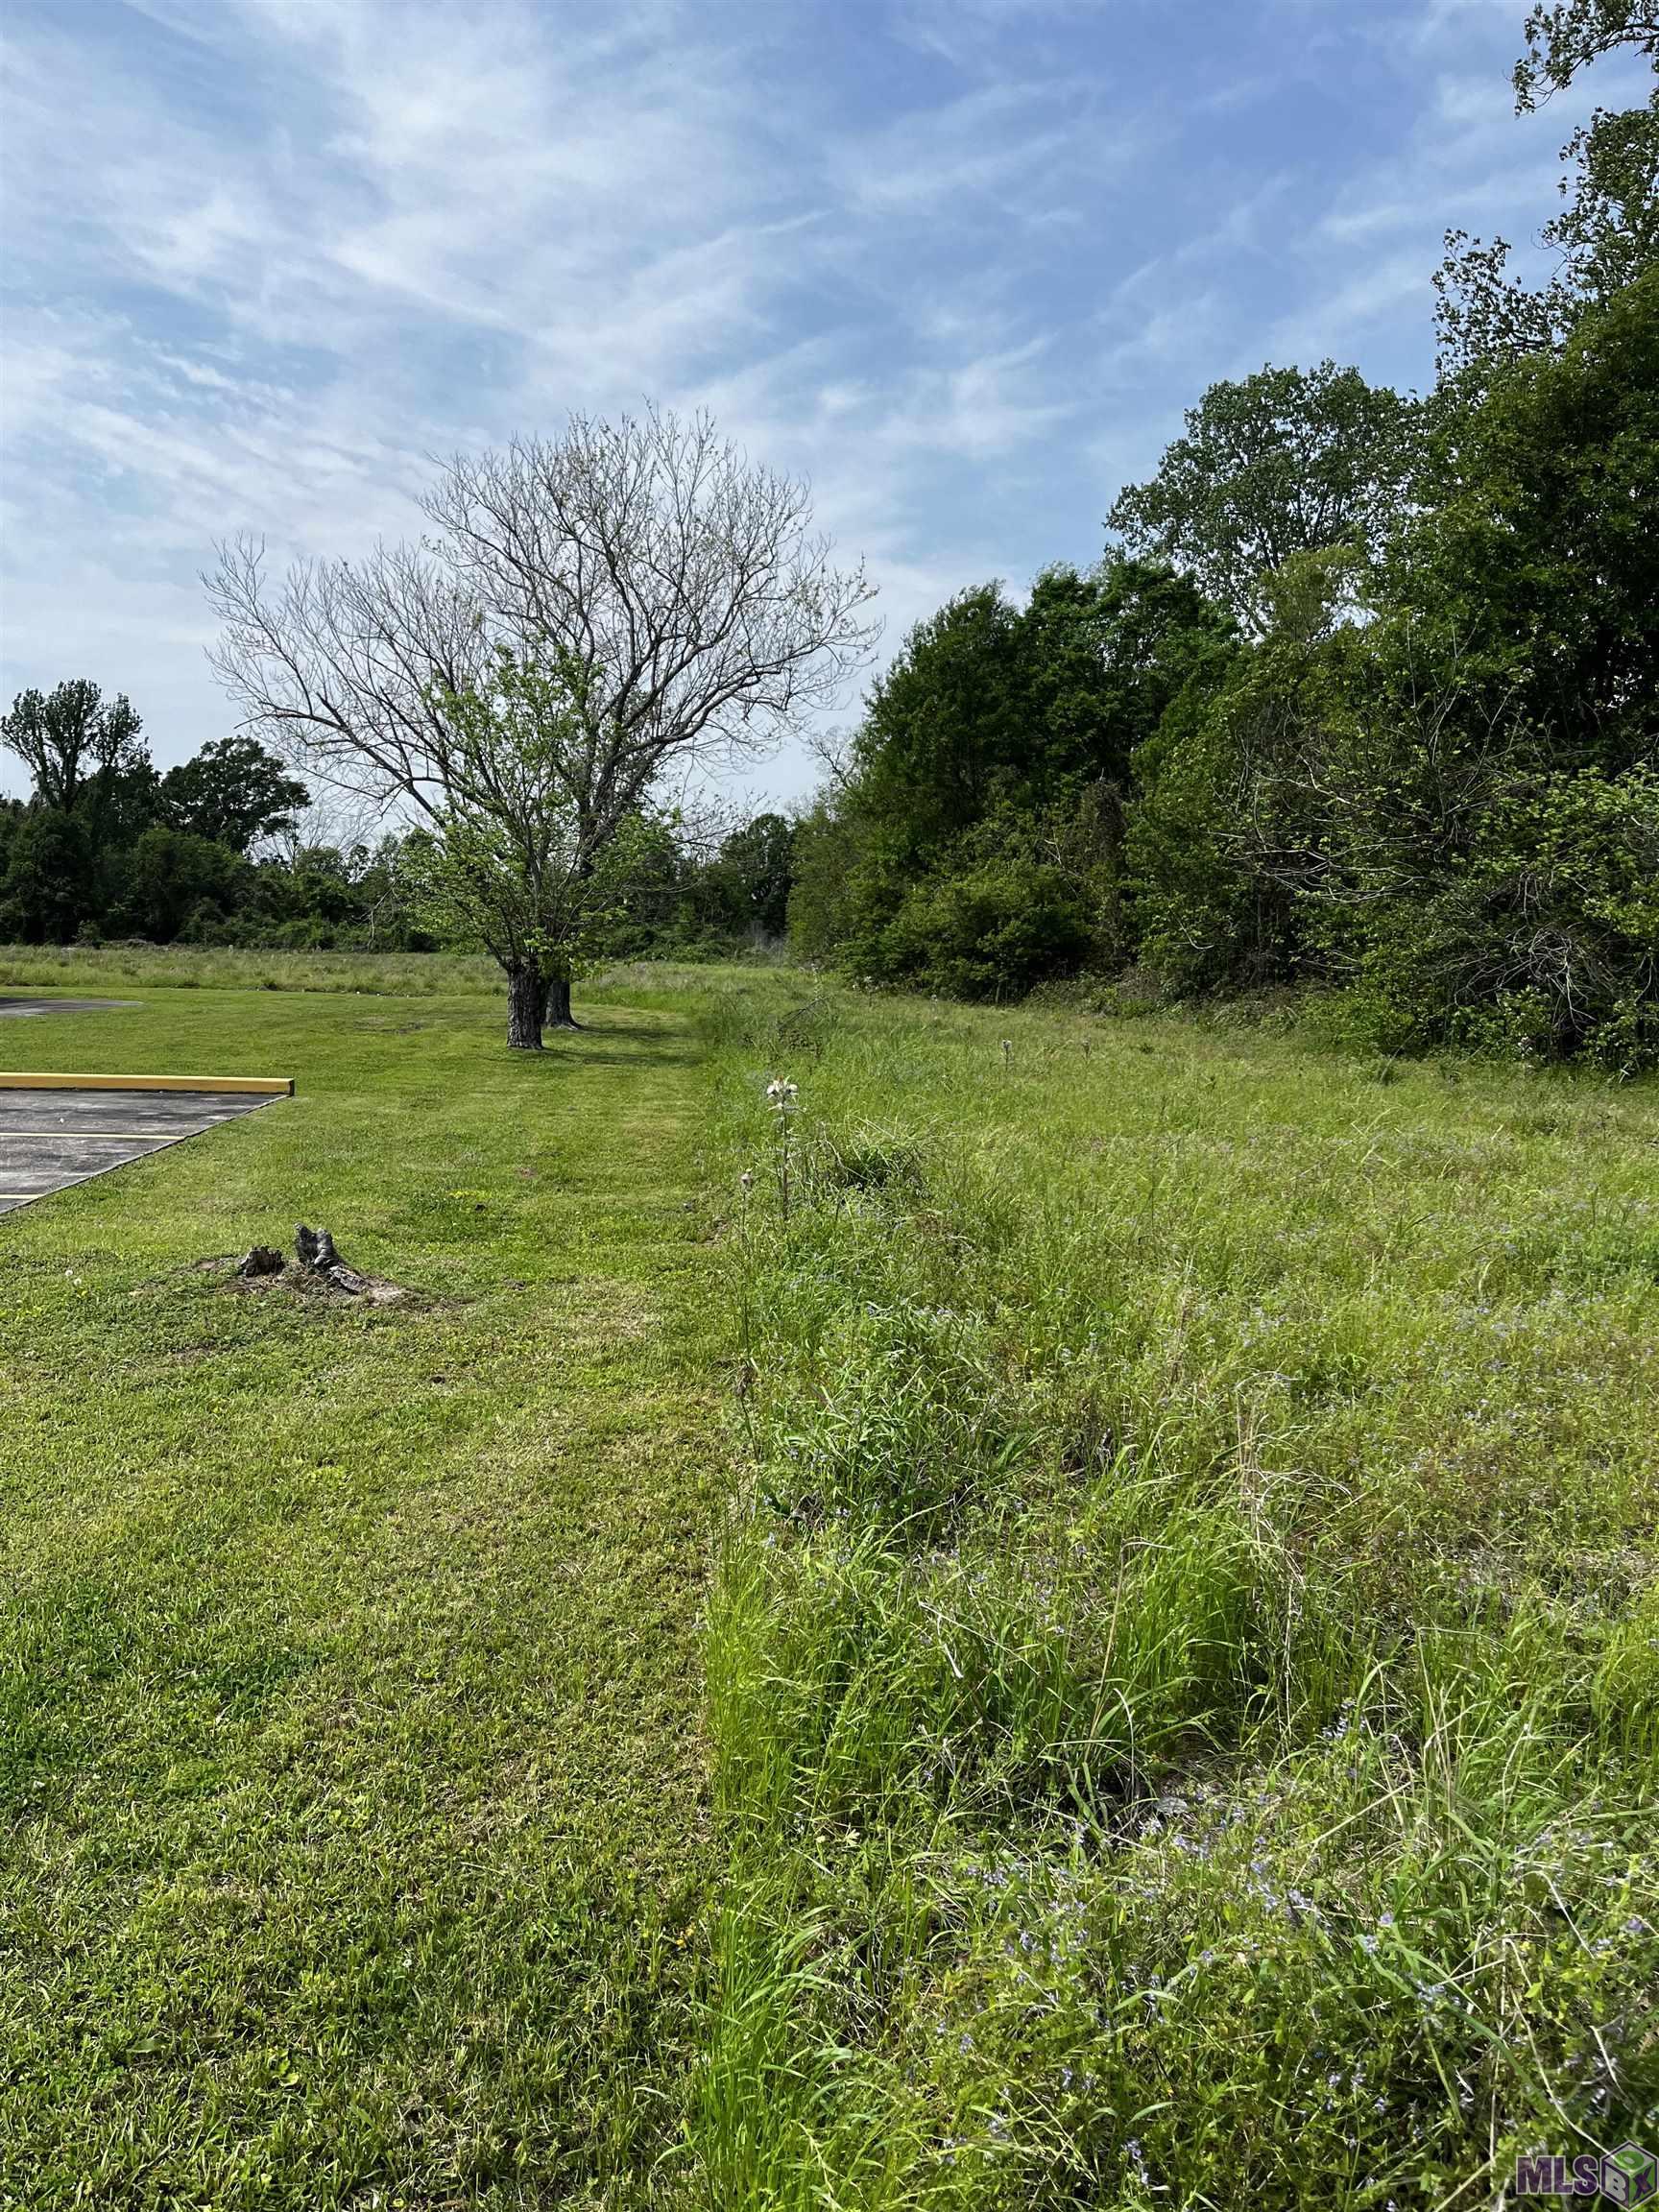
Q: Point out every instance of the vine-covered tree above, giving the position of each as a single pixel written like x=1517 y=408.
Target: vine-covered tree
x=614 y=607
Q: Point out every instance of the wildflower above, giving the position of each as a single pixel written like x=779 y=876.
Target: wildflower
x=781 y=1095
x=747 y=1180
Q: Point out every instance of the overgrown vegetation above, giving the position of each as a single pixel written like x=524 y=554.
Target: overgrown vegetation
x=1186 y=1674
x=1363 y=697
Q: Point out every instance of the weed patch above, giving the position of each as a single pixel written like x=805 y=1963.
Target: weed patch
x=1183 y=1673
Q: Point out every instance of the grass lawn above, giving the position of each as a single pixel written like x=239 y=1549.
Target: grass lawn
x=352 y=1748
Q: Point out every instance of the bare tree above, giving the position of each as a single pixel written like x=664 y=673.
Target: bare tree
x=589 y=615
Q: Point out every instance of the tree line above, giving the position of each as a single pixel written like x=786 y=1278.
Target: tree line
x=1364 y=694
x=216 y=850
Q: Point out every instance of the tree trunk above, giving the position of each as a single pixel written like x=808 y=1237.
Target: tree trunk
x=526 y=1001
x=557 y=1008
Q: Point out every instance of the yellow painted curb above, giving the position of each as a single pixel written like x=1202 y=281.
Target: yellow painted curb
x=244 y=1086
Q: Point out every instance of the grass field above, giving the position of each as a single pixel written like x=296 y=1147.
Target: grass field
x=1106 y=1654
x=353 y=1747
x=115 y=968
x=1187 y=1680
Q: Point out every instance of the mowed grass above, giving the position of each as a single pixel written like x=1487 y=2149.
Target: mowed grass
x=353 y=1747
x=1185 y=1677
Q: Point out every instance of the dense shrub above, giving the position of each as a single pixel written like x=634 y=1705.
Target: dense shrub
x=992 y=932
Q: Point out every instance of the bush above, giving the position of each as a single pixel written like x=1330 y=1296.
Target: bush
x=990 y=934
x=1544 y=946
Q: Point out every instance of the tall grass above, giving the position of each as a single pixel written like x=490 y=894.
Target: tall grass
x=136 y=966
x=1185 y=1671
x=78 y=968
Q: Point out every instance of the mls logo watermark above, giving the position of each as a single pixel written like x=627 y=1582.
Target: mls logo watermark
x=1627 y=2175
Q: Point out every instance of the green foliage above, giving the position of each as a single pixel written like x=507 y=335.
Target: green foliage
x=1226 y=833
x=503 y=863
x=1425 y=782
x=737 y=898
x=1282 y=463
x=69 y=737
x=946 y=725
x=990 y=931
x=234 y=793
x=1375 y=713
x=210 y=853
x=990 y=776
x=1607 y=231
x=1545 y=941
x=46 y=888
x=107 y=848
x=178 y=885
x=828 y=844
x=1565 y=36
x=1535 y=569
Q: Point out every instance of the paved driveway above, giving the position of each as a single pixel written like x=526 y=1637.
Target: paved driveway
x=53 y=1139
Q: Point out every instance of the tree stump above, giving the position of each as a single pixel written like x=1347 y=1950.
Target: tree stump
x=318 y=1257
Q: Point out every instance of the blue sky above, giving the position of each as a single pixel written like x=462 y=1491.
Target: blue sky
x=963 y=262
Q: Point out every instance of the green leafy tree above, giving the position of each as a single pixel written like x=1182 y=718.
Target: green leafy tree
x=991 y=929
x=234 y=793
x=829 y=848
x=1284 y=462
x=1541 y=937
x=1564 y=35
x=47 y=891
x=1530 y=578
x=943 y=726
x=68 y=736
x=504 y=863
x=175 y=883
x=1412 y=805
x=756 y=868
x=998 y=722
x=641 y=914
x=1229 y=838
